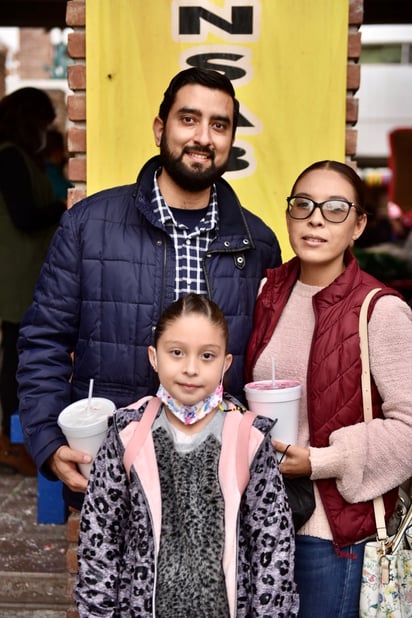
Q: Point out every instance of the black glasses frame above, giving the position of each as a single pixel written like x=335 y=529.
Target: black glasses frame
x=319 y=205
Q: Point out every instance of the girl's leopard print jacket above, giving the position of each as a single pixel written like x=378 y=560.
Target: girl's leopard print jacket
x=120 y=524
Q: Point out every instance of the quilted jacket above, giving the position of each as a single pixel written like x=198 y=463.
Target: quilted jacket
x=108 y=276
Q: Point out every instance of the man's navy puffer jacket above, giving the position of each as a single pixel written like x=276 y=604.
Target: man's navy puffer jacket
x=108 y=276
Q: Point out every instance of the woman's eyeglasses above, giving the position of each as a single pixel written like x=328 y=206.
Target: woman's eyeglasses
x=334 y=211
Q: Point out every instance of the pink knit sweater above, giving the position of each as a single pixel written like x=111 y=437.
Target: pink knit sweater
x=366 y=460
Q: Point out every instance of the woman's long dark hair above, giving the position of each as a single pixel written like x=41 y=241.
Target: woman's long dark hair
x=344 y=170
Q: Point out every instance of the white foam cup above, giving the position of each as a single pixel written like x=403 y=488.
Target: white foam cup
x=278 y=399
x=84 y=427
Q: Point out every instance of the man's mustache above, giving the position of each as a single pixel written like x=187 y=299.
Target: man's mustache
x=209 y=152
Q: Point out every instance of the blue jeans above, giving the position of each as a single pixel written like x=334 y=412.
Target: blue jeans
x=328 y=584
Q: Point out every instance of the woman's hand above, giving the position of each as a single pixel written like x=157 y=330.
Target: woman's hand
x=295 y=461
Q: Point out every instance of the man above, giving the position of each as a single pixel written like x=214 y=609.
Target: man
x=122 y=255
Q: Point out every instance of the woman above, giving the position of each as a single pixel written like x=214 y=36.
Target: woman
x=307 y=319
x=28 y=217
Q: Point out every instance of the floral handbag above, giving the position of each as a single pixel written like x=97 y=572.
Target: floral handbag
x=386 y=586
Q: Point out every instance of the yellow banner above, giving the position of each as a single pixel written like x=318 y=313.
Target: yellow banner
x=286 y=60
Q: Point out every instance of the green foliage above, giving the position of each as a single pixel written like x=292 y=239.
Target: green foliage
x=383 y=266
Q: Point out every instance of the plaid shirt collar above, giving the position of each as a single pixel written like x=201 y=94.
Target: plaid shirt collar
x=166 y=217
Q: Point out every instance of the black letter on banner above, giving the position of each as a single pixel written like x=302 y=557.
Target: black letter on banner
x=190 y=16
x=236 y=163
x=205 y=61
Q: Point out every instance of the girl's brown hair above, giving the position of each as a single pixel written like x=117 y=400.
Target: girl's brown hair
x=192 y=303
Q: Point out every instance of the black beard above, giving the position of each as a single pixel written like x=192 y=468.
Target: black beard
x=193 y=179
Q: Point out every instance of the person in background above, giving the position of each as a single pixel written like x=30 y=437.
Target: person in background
x=55 y=156
x=124 y=254
x=28 y=217
x=378 y=229
x=307 y=318
x=203 y=545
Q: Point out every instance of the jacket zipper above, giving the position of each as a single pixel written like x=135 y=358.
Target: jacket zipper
x=151 y=523
x=238 y=528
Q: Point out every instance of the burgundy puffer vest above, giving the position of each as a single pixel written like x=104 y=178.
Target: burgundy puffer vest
x=333 y=378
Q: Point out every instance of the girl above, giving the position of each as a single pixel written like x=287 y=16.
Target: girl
x=170 y=527
x=307 y=318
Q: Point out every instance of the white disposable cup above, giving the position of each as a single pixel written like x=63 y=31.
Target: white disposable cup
x=278 y=400
x=85 y=428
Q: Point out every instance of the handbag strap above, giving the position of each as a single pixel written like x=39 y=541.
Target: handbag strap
x=364 y=353
x=378 y=504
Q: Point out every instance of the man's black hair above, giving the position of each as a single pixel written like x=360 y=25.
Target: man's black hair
x=204 y=77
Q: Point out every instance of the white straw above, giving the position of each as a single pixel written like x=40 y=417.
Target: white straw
x=273 y=371
x=89 y=400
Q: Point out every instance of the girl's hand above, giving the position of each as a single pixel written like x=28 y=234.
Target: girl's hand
x=295 y=461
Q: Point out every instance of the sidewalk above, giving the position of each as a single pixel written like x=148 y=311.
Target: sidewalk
x=33 y=575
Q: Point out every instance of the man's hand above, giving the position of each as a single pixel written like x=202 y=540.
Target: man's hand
x=296 y=461
x=63 y=464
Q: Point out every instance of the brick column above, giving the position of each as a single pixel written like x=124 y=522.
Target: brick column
x=71 y=558
x=76 y=145
x=76 y=103
x=353 y=76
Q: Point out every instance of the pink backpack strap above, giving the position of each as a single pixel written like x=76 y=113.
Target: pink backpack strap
x=242 y=450
x=141 y=430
